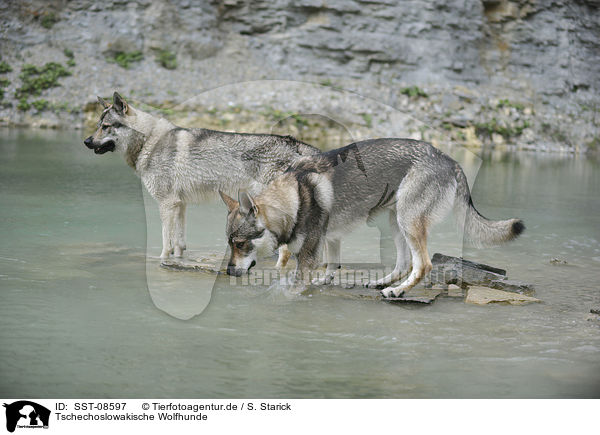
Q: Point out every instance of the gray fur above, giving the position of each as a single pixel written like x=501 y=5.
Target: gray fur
x=411 y=180
x=179 y=166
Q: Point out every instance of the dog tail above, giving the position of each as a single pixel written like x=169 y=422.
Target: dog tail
x=479 y=230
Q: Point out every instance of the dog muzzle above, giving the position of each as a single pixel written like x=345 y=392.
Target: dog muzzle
x=99 y=149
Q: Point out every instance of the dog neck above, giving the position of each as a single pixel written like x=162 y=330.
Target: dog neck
x=278 y=207
x=149 y=131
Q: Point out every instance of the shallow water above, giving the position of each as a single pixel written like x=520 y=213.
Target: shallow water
x=78 y=317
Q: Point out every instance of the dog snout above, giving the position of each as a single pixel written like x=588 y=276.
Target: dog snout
x=89 y=142
x=231 y=270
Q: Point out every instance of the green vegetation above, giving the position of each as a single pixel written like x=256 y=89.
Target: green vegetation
x=63 y=107
x=494 y=126
x=278 y=115
x=413 y=92
x=71 y=57
x=368 y=119
x=40 y=105
x=5 y=67
x=36 y=79
x=48 y=20
x=125 y=59
x=166 y=59
x=326 y=82
x=23 y=104
x=506 y=103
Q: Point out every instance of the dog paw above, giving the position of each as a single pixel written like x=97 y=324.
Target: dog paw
x=374 y=284
x=392 y=292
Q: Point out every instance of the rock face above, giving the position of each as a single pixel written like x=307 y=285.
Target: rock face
x=487 y=66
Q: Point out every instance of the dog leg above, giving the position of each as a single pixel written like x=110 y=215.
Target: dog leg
x=166 y=217
x=284 y=256
x=307 y=259
x=179 y=229
x=333 y=262
x=403 y=257
x=421 y=264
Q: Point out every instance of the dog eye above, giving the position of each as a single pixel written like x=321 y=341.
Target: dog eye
x=240 y=245
x=104 y=127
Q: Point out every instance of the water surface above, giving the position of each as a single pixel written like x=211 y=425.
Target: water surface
x=78 y=317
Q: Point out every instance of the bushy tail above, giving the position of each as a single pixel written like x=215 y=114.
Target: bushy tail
x=479 y=230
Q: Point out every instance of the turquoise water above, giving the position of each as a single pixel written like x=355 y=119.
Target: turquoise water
x=84 y=313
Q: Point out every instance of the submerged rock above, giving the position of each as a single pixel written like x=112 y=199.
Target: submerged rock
x=594 y=315
x=450 y=277
x=559 y=262
x=416 y=296
x=210 y=263
x=484 y=295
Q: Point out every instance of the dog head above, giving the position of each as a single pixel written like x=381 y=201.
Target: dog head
x=115 y=129
x=247 y=234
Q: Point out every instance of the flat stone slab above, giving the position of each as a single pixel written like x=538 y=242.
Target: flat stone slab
x=209 y=263
x=416 y=296
x=508 y=285
x=455 y=270
x=450 y=278
x=484 y=295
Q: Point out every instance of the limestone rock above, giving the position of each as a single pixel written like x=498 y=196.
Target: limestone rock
x=484 y=295
x=512 y=286
x=454 y=270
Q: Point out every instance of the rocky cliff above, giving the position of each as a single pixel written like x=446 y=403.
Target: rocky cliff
x=497 y=72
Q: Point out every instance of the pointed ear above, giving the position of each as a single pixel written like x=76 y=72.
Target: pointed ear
x=229 y=201
x=247 y=204
x=120 y=104
x=103 y=102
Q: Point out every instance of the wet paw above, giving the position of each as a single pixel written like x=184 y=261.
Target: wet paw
x=392 y=292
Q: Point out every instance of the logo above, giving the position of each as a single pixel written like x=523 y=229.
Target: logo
x=26 y=414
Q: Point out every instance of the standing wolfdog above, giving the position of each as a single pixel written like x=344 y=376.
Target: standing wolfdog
x=179 y=166
x=321 y=197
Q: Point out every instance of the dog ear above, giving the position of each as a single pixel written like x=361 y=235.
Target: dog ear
x=247 y=204
x=229 y=201
x=120 y=104
x=103 y=102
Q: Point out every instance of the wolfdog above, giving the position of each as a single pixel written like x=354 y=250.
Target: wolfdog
x=179 y=165
x=321 y=197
